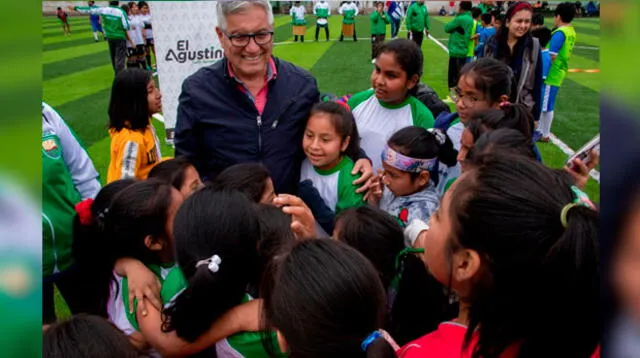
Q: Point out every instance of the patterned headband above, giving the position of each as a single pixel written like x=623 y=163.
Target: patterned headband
x=406 y=164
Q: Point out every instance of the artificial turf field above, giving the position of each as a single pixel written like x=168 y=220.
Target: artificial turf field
x=77 y=77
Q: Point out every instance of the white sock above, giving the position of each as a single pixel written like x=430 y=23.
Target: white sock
x=95 y=36
x=546 y=118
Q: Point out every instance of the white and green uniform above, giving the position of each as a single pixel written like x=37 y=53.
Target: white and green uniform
x=68 y=177
x=454 y=132
x=322 y=11
x=334 y=185
x=247 y=344
x=297 y=15
x=377 y=121
x=173 y=283
x=349 y=11
x=114 y=20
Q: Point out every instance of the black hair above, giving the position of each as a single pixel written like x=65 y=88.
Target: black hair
x=490 y=76
x=566 y=11
x=514 y=116
x=409 y=57
x=476 y=12
x=537 y=19
x=209 y=222
x=114 y=3
x=499 y=17
x=91 y=2
x=327 y=299
x=420 y=143
x=131 y=4
x=125 y=8
x=171 y=171
x=276 y=237
x=466 y=5
x=137 y=211
x=59 y=8
x=86 y=336
x=502 y=33
x=532 y=268
x=142 y=3
x=88 y=242
x=344 y=124
x=543 y=34
x=502 y=140
x=487 y=18
x=247 y=178
x=379 y=237
x=128 y=106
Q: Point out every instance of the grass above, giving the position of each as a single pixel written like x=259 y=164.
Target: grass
x=77 y=77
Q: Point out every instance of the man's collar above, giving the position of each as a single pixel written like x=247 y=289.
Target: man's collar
x=272 y=71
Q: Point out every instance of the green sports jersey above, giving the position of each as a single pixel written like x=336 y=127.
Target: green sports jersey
x=349 y=17
x=114 y=20
x=417 y=18
x=247 y=344
x=560 y=65
x=472 y=45
x=172 y=281
x=458 y=44
x=377 y=121
x=334 y=185
x=68 y=177
x=379 y=23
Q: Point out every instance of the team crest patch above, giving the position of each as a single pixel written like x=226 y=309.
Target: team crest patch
x=50 y=148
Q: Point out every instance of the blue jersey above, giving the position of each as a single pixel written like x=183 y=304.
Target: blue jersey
x=485 y=34
x=557 y=40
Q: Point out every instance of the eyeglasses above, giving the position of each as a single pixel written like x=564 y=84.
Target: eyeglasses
x=468 y=101
x=242 y=40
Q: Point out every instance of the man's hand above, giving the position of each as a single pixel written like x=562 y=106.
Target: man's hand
x=303 y=223
x=362 y=166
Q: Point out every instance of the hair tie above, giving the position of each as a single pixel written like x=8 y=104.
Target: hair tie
x=441 y=138
x=343 y=104
x=212 y=263
x=581 y=199
x=504 y=104
x=83 y=209
x=370 y=338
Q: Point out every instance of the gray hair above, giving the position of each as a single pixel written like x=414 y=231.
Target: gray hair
x=225 y=8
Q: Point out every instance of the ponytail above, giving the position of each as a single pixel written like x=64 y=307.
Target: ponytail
x=447 y=154
x=215 y=235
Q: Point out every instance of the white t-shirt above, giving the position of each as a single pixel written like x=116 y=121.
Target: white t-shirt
x=135 y=33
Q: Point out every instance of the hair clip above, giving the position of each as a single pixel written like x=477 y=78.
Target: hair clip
x=504 y=104
x=212 y=263
x=441 y=138
x=83 y=209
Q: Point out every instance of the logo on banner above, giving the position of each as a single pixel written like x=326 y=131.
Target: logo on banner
x=181 y=53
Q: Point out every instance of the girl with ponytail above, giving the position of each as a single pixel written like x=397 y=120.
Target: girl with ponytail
x=519 y=245
x=379 y=237
x=407 y=188
x=326 y=301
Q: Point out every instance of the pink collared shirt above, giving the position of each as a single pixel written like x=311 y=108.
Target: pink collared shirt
x=260 y=100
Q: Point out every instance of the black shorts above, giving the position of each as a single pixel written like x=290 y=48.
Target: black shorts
x=136 y=51
x=149 y=42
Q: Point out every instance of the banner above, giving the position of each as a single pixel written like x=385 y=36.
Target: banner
x=185 y=40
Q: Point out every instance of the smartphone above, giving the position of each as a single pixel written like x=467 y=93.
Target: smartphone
x=584 y=152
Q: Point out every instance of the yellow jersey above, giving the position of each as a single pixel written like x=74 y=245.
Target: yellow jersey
x=133 y=153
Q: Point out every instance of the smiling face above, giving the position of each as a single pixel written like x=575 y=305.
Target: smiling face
x=389 y=80
x=519 y=24
x=154 y=98
x=322 y=144
x=250 y=61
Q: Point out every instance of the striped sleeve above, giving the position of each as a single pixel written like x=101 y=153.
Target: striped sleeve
x=130 y=161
